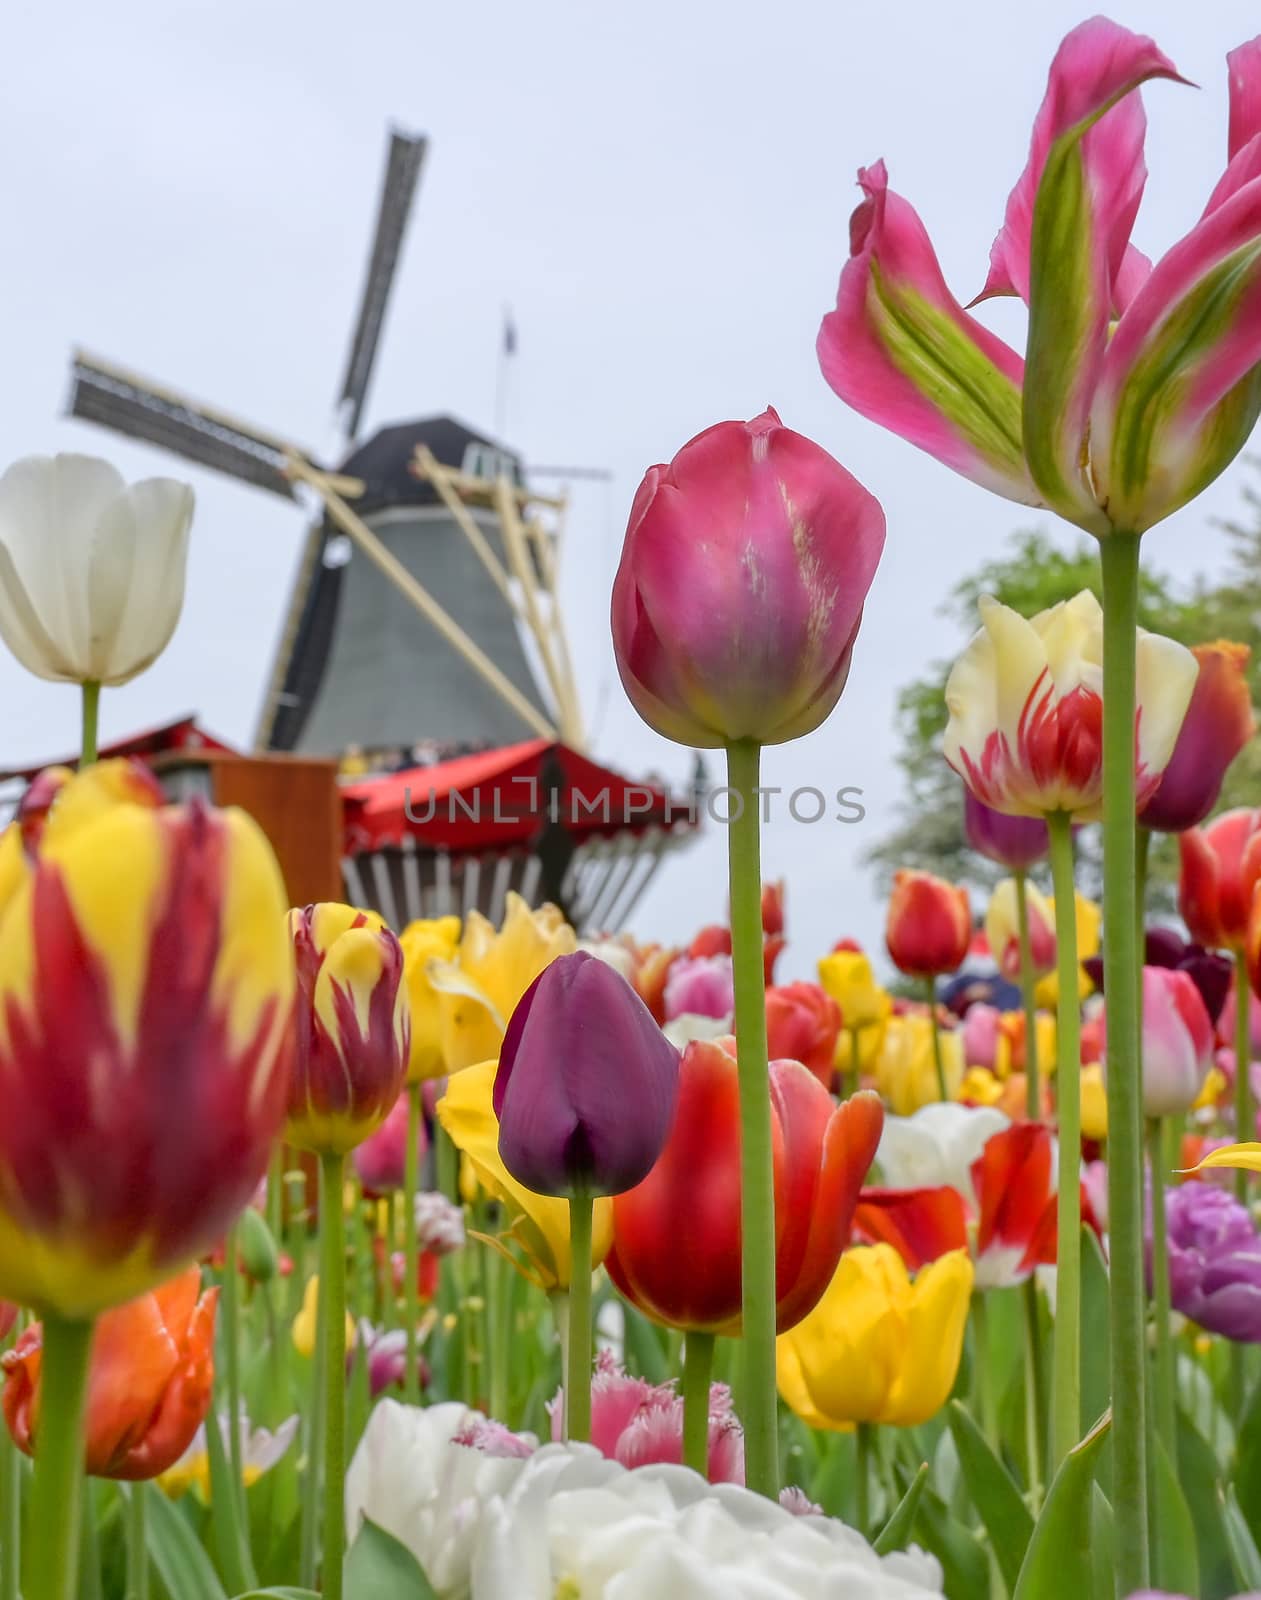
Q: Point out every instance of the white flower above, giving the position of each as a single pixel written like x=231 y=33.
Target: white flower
x=260 y=1451
x=614 y=952
x=565 y=1522
x=683 y=1029
x=937 y=1145
x=91 y=571
x=439 y=1223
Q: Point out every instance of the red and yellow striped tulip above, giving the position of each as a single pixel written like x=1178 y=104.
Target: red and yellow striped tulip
x=353 y=1027
x=146 y=998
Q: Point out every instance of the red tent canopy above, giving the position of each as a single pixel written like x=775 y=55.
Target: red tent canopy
x=501 y=798
x=184 y=734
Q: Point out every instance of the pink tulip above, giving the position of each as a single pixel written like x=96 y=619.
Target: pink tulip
x=741 y=586
x=640 y=1424
x=1131 y=398
x=982 y=1029
x=1226 y=1022
x=1177 y=1042
x=700 y=986
x=381 y=1159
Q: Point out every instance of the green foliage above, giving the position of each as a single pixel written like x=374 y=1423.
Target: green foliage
x=1036 y=571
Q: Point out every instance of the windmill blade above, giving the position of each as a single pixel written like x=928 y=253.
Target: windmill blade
x=131 y=405
x=402 y=172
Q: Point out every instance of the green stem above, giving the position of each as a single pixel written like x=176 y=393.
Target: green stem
x=698 y=1365
x=1166 y=1415
x=862 y=1478
x=137 y=1540
x=1033 y=1392
x=276 y=1194
x=984 y=1369
x=411 y=1250
x=10 y=1515
x=757 y=1183
x=332 y=1306
x=1119 y=559
x=503 y=1290
x=310 y=1528
x=57 y=1502
x=931 y=991
x=91 y=718
x=90 y=1585
x=559 y=1299
x=231 y=1335
x=1028 y=981
x=1066 y=1369
x=578 y=1370
x=1245 y=1114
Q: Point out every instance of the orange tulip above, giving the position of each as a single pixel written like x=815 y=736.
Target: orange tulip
x=149 y=1384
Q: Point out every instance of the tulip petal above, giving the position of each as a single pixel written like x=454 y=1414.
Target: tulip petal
x=902 y=351
x=1087 y=195
x=1244 y=67
x=1179 y=390
x=136 y=578
x=920 y=1224
x=1236 y=1157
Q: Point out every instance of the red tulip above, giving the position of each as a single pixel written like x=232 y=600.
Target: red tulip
x=1218 y=723
x=149 y=1384
x=8 y=1316
x=929 y=925
x=803 y=1023
x=741 y=586
x=1221 y=865
x=676 y=1236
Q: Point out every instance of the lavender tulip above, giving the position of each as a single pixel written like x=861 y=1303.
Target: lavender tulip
x=586 y=1084
x=1214 y=1261
x=1013 y=842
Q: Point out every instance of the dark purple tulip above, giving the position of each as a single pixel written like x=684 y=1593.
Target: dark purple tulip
x=586 y=1084
x=1014 y=842
x=1211 y=973
x=1214 y=1261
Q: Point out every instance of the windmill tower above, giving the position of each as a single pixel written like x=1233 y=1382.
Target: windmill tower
x=424 y=610
x=424 y=607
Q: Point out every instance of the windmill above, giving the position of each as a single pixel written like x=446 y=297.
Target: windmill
x=423 y=612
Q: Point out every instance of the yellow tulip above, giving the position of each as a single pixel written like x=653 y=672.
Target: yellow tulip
x=478 y=990
x=1094 y=1103
x=1089 y=921
x=432 y=939
x=870 y=1044
x=905 y=1070
x=540 y=1227
x=877 y=1347
x=307 y=1320
x=847 y=976
x=979 y=1087
x=1002 y=929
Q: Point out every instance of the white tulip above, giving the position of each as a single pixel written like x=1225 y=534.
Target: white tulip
x=937 y=1145
x=91 y=571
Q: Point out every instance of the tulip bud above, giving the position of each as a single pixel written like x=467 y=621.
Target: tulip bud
x=741 y=586
x=92 y=575
x=1218 y=723
x=149 y=1381
x=803 y=1023
x=586 y=1083
x=848 y=978
x=1013 y=842
x=257 y=1247
x=1002 y=929
x=929 y=926
x=353 y=1034
x=148 y=945
x=1221 y=866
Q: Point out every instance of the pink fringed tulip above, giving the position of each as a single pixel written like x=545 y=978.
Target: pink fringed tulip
x=1013 y=842
x=1140 y=384
x=1218 y=723
x=741 y=587
x=586 y=1084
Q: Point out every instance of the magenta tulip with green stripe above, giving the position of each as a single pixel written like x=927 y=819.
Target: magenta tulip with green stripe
x=1140 y=384
x=737 y=602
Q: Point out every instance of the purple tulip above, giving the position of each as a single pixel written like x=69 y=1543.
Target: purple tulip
x=586 y=1084
x=1214 y=1261
x=1209 y=972
x=1013 y=842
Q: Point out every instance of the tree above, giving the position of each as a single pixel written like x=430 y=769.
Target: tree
x=1033 y=573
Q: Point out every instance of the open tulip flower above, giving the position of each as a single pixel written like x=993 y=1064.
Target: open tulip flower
x=150 y=943
x=929 y=925
x=479 y=988
x=1218 y=724
x=149 y=1383
x=689 y=1276
x=878 y=1347
x=803 y=1023
x=1026 y=709
x=425 y=941
x=539 y=1231
x=92 y=575
x=1221 y=866
x=1127 y=404
x=741 y=586
x=1002 y=929
x=353 y=1030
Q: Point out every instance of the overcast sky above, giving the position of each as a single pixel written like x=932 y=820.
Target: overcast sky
x=661 y=191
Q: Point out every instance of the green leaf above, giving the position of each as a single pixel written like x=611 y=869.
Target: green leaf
x=378 y=1565
x=964 y=1563
x=1058 y=1561
x=994 y=1494
x=1198 y=1473
x=1175 y=1562
x=645 y=1348
x=228 y=1527
x=1244 y=1556
x=1096 y=1383
x=897 y=1531
x=282 y=1593
x=1102 y=1544
x=177 y=1556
